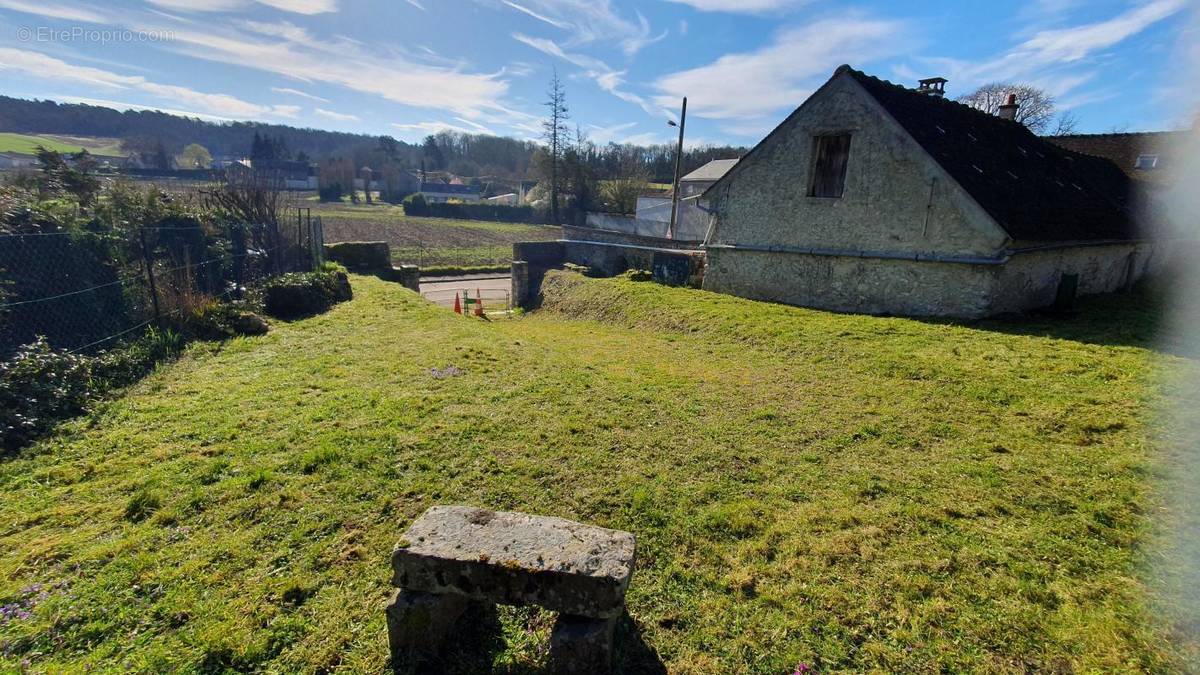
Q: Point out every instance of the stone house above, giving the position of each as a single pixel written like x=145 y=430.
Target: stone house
x=876 y=198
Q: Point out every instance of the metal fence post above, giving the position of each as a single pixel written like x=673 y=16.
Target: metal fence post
x=149 y=263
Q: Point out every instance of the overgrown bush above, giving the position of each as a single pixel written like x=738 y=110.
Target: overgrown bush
x=39 y=386
x=301 y=294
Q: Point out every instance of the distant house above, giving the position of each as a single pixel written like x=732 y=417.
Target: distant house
x=285 y=173
x=876 y=198
x=16 y=160
x=691 y=220
x=510 y=199
x=696 y=182
x=440 y=193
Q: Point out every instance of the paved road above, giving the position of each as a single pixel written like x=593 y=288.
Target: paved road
x=495 y=290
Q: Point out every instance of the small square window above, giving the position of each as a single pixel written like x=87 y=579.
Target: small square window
x=831 y=156
x=1146 y=162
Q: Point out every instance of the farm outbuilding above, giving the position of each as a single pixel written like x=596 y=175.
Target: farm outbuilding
x=876 y=198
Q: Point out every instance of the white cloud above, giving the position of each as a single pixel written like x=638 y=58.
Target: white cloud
x=1059 y=60
x=587 y=21
x=781 y=75
x=40 y=66
x=289 y=111
x=283 y=29
x=296 y=92
x=605 y=77
x=417 y=4
x=545 y=19
x=1073 y=44
x=336 y=116
x=741 y=6
x=421 y=129
x=295 y=6
x=52 y=10
x=200 y=5
x=303 y=6
x=603 y=135
x=345 y=63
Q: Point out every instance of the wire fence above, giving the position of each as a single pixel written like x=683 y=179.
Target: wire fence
x=85 y=291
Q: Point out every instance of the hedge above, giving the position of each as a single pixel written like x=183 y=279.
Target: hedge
x=494 y=212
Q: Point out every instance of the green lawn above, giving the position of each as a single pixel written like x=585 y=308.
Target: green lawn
x=27 y=144
x=429 y=241
x=850 y=492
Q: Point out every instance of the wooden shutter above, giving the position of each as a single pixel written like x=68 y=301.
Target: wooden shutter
x=830 y=157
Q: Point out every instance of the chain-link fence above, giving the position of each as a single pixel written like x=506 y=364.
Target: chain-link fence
x=84 y=290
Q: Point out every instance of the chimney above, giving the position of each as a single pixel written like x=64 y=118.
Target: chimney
x=1008 y=111
x=933 y=86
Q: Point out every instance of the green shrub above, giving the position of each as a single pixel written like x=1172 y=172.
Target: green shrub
x=39 y=386
x=302 y=294
x=122 y=367
x=367 y=256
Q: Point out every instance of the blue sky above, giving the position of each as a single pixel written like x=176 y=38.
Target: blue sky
x=411 y=67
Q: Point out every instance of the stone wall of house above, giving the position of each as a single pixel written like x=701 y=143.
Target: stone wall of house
x=1030 y=280
x=896 y=200
x=854 y=284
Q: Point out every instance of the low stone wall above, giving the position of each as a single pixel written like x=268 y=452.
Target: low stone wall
x=531 y=261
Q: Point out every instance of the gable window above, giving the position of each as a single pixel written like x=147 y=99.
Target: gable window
x=1146 y=162
x=831 y=154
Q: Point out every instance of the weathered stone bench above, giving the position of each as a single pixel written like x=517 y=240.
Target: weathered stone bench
x=453 y=555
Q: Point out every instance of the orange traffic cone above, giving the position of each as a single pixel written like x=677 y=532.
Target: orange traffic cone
x=457 y=305
x=478 y=303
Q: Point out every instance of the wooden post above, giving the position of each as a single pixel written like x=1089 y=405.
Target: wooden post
x=149 y=263
x=678 y=167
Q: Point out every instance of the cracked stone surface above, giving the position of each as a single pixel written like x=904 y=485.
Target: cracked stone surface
x=518 y=559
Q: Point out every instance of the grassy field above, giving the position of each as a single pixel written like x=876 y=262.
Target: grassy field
x=27 y=144
x=847 y=492
x=428 y=241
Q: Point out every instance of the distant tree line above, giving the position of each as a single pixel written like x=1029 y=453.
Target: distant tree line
x=158 y=139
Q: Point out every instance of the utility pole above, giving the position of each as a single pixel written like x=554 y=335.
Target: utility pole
x=678 y=166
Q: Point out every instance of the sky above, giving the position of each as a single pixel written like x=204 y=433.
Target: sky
x=408 y=68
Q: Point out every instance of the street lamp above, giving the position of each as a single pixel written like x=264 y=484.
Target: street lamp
x=678 y=166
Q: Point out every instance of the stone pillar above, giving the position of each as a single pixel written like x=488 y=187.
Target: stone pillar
x=419 y=623
x=520 y=284
x=581 y=645
x=409 y=277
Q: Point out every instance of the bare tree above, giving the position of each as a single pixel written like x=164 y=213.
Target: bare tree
x=557 y=135
x=1067 y=122
x=255 y=200
x=1037 y=105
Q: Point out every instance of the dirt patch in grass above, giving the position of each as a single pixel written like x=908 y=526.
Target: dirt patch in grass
x=848 y=492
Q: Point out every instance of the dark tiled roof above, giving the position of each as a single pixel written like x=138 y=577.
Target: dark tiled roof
x=1124 y=149
x=447 y=188
x=1035 y=190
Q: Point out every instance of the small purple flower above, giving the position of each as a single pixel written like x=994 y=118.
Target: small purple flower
x=802 y=669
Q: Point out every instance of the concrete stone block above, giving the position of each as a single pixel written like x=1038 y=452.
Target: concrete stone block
x=419 y=623
x=581 y=645
x=408 y=276
x=518 y=559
